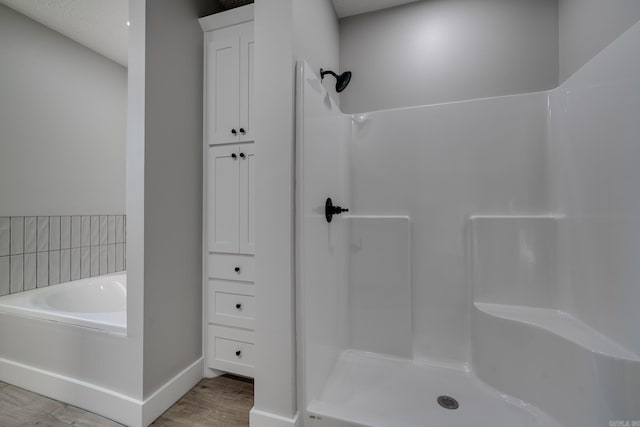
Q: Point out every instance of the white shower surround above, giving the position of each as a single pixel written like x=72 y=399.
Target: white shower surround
x=570 y=150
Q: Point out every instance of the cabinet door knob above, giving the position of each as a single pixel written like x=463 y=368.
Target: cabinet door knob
x=239 y=306
x=233 y=156
x=242 y=131
x=239 y=353
x=242 y=155
x=237 y=269
x=234 y=132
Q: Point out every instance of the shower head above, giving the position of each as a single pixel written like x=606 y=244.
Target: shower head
x=342 y=80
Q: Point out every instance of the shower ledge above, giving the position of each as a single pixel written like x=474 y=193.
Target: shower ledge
x=562 y=324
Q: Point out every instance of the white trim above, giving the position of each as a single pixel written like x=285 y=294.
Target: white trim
x=259 y=418
x=100 y=400
x=171 y=391
x=227 y=18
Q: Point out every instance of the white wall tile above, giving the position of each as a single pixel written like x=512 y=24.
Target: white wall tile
x=43 y=233
x=111 y=258
x=65 y=232
x=119 y=228
x=85 y=239
x=103 y=230
x=95 y=261
x=17 y=235
x=119 y=256
x=17 y=273
x=29 y=271
x=42 y=269
x=76 y=223
x=30 y=234
x=111 y=229
x=54 y=267
x=103 y=259
x=5 y=236
x=85 y=262
x=75 y=263
x=54 y=233
x=65 y=265
x=95 y=230
x=5 y=274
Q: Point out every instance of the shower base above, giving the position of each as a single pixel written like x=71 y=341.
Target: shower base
x=367 y=389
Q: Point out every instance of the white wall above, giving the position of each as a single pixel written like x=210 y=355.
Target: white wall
x=448 y=50
x=588 y=26
x=278 y=43
x=594 y=150
x=275 y=390
x=62 y=124
x=317 y=40
x=172 y=190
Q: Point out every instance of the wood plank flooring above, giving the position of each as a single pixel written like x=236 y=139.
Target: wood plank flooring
x=217 y=402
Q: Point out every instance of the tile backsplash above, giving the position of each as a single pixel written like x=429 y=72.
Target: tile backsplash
x=47 y=250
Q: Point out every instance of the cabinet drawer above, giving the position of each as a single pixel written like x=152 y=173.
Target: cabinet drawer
x=231 y=303
x=231 y=350
x=231 y=267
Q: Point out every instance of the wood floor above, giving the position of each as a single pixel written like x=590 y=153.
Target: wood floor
x=217 y=402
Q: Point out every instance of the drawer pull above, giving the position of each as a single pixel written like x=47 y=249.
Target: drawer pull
x=239 y=306
x=237 y=269
x=239 y=353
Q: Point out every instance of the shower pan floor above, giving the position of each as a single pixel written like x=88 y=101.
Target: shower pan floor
x=367 y=389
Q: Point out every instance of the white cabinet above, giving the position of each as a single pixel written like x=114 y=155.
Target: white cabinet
x=230 y=198
x=229 y=81
x=229 y=192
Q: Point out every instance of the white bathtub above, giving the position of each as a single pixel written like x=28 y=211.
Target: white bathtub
x=96 y=302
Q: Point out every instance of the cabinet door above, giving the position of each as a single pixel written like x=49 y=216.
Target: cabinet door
x=247 y=198
x=246 y=86
x=223 y=187
x=223 y=88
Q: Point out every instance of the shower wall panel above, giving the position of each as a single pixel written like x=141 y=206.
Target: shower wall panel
x=322 y=272
x=594 y=151
x=438 y=164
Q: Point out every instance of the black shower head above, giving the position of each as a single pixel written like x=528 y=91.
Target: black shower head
x=342 y=80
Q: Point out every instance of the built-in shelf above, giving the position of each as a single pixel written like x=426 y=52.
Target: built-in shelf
x=562 y=324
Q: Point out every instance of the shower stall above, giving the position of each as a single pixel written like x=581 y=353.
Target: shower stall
x=449 y=294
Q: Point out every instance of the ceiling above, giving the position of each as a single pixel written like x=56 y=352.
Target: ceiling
x=346 y=8
x=100 y=25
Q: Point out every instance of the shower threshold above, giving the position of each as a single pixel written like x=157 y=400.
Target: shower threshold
x=367 y=389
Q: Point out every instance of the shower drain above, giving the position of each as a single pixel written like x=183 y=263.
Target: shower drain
x=448 y=402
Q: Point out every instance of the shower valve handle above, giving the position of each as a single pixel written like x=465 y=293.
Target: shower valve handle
x=330 y=209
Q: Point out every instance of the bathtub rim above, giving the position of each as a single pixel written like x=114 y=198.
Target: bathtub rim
x=105 y=323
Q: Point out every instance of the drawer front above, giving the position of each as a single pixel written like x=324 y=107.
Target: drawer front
x=231 y=267
x=231 y=350
x=231 y=304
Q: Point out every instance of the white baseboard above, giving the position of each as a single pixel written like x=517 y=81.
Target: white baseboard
x=259 y=418
x=171 y=392
x=102 y=401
